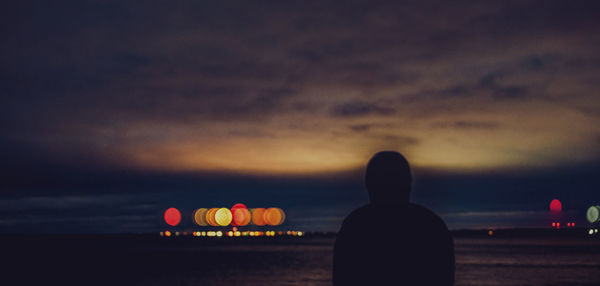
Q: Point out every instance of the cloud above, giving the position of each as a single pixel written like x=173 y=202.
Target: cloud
x=360 y=127
x=358 y=108
x=490 y=81
x=468 y=125
x=192 y=87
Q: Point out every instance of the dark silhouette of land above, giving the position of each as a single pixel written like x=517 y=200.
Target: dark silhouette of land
x=416 y=247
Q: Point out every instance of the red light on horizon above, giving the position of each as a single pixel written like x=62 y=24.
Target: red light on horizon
x=241 y=215
x=555 y=206
x=172 y=216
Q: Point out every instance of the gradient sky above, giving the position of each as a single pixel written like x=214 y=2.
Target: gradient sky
x=112 y=111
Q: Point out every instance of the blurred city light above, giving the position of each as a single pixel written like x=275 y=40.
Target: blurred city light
x=172 y=216
x=223 y=217
x=274 y=216
x=210 y=216
x=233 y=234
x=258 y=216
x=555 y=206
x=200 y=217
x=238 y=215
x=593 y=213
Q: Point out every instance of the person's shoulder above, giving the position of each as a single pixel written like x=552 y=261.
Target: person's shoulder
x=358 y=214
x=363 y=218
x=426 y=214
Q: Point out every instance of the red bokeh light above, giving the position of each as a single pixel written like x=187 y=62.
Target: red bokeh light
x=239 y=205
x=555 y=206
x=172 y=216
x=241 y=215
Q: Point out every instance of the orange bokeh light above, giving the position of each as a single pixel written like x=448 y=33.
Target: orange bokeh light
x=258 y=216
x=210 y=217
x=200 y=217
x=274 y=216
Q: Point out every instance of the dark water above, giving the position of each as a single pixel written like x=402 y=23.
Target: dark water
x=532 y=261
x=306 y=261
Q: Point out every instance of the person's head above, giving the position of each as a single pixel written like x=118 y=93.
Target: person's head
x=388 y=178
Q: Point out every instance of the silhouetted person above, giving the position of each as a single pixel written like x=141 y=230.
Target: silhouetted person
x=392 y=241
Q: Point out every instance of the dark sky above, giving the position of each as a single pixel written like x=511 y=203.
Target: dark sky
x=112 y=111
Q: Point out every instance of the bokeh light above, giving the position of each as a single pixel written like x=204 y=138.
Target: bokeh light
x=241 y=215
x=239 y=206
x=274 y=216
x=593 y=213
x=555 y=206
x=258 y=216
x=200 y=217
x=210 y=217
x=172 y=216
x=223 y=217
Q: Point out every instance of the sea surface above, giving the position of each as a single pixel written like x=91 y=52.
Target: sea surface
x=299 y=261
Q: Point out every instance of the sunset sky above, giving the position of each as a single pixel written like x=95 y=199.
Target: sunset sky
x=112 y=111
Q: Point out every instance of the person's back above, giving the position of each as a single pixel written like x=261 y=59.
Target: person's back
x=391 y=241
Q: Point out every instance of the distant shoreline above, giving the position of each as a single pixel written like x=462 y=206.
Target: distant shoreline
x=501 y=232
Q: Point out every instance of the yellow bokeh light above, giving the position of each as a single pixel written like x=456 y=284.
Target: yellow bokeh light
x=223 y=217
